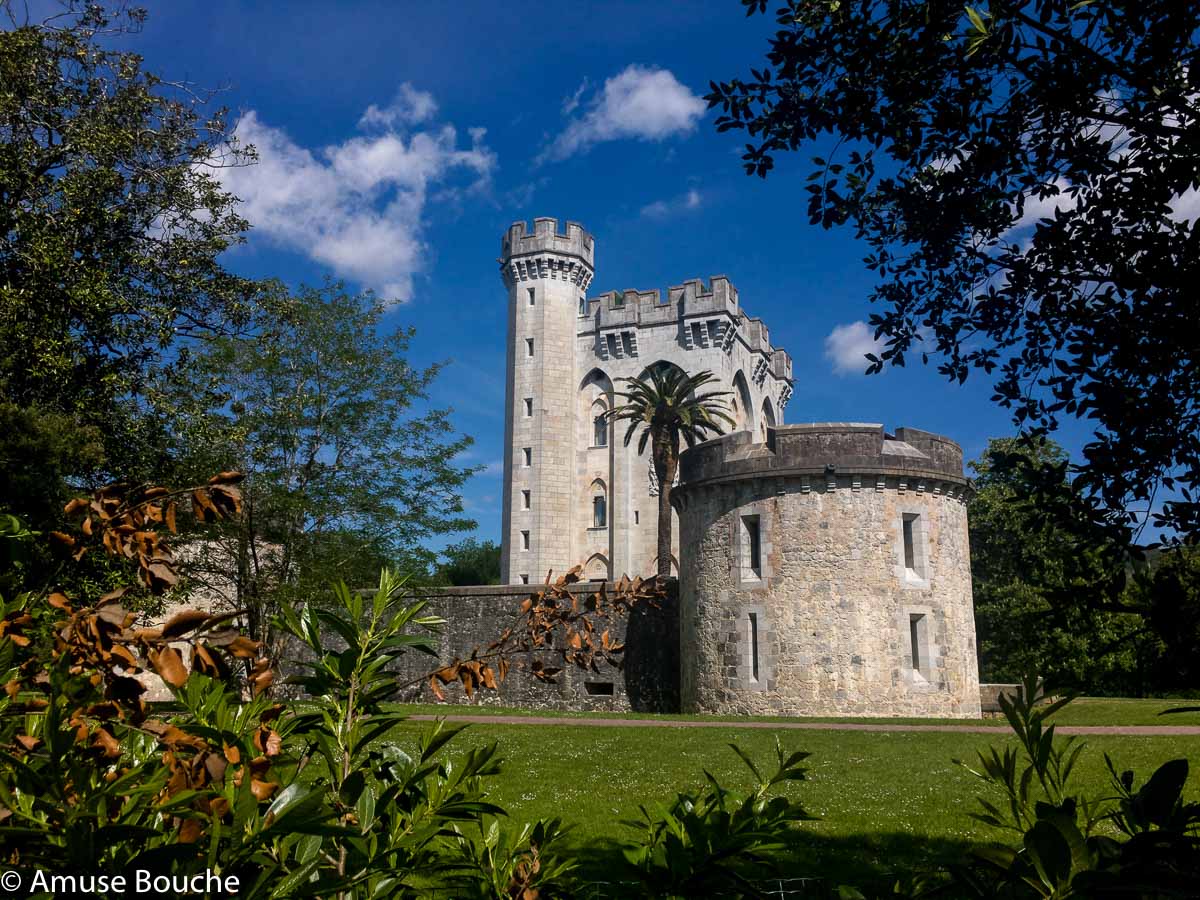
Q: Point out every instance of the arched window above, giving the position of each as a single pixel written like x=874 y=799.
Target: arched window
x=743 y=412
x=597 y=568
x=599 y=495
x=766 y=420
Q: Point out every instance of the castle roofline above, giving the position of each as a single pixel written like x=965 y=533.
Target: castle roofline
x=691 y=299
x=544 y=237
x=824 y=448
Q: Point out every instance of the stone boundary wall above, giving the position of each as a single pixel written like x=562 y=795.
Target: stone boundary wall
x=989 y=695
x=477 y=615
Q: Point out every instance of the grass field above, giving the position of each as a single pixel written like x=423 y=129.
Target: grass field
x=1081 y=711
x=885 y=802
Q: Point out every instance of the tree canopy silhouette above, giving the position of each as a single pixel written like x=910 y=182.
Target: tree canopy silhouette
x=1025 y=174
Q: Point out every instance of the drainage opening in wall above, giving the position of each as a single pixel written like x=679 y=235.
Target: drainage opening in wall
x=598 y=688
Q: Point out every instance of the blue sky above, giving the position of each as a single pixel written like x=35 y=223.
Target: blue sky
x=398 y=141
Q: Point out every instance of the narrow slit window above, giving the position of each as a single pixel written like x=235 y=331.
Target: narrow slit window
x=599 y=513
x=752 y=547
x=531 y=296
x=529 y=346
x=914 y=637
x=637 y=519
x=753 y=646
x=910 y=554
x=528 y=407
x=525 y=496
x=600 y=431
x=524 y=540
x=527 y=456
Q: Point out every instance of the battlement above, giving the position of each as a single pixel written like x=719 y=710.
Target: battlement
x=826 y=449
x=692 y=298
x=546 y=238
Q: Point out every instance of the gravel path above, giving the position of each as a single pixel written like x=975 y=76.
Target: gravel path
x=1144 y=730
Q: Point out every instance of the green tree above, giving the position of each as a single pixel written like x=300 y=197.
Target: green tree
x=471 y=562
x=1024 y=173
x=111 y=225
x=346 y=466
x=665 y=406
x=1048 y=600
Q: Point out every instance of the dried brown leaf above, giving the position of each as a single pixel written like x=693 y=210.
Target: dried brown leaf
x=183 y=622
x=169 y=665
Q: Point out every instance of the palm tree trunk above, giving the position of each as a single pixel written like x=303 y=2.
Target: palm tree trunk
x=666 y=460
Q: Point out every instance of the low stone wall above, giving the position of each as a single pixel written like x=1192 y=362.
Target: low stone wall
x=989 y=696
x=476 y=616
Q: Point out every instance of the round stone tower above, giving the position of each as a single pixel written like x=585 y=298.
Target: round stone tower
x=547 y=275
x=826 y=571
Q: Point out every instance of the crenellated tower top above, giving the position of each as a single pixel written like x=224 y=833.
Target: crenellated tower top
x=547 y=253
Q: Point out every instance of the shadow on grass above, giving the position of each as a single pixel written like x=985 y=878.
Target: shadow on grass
x=814 y=867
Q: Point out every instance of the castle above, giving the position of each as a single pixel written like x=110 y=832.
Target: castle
x=573 y=492
x=823 y=568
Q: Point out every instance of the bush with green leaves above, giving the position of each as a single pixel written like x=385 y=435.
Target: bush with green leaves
x=717 y=841
x=1141 y=841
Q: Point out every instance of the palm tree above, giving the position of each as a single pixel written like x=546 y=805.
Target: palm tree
x=666 y=405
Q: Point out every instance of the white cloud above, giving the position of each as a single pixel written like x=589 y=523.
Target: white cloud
x=409 y=107
x=570 y=104
x=1037 y=208
x=356 y=206
x=1186 y=206
x=847 y=346
x=662 y=209
x=641 y=103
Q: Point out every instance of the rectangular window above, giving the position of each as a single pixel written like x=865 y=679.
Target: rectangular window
x=914 y=637
x=528 y=407
x=524 y=499
x=754 y=646
x=531 y=296
x=910 y=554
x=527 y=456
x=600 y=431
x=751 y=548
x=529 y=346
x=524 y=579
x=599 y=513
x=524 y=540
x=636 y=518
x=598 y=688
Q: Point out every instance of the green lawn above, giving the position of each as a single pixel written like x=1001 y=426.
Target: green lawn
x=1082 y=711
x=885 y=801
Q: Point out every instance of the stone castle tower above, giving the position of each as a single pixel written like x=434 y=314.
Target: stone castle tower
x=573 y=493
x=827 y=572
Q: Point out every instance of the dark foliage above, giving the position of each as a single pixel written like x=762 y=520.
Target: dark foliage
x=1024 y=174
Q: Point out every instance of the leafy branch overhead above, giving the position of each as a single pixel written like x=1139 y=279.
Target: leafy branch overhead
x=1025 y=174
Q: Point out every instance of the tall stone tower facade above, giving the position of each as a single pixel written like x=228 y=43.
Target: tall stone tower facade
x=574 y=493
x=547 y=275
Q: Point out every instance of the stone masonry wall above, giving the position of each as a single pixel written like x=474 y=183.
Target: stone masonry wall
x=833 y=610
x=649 y=680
